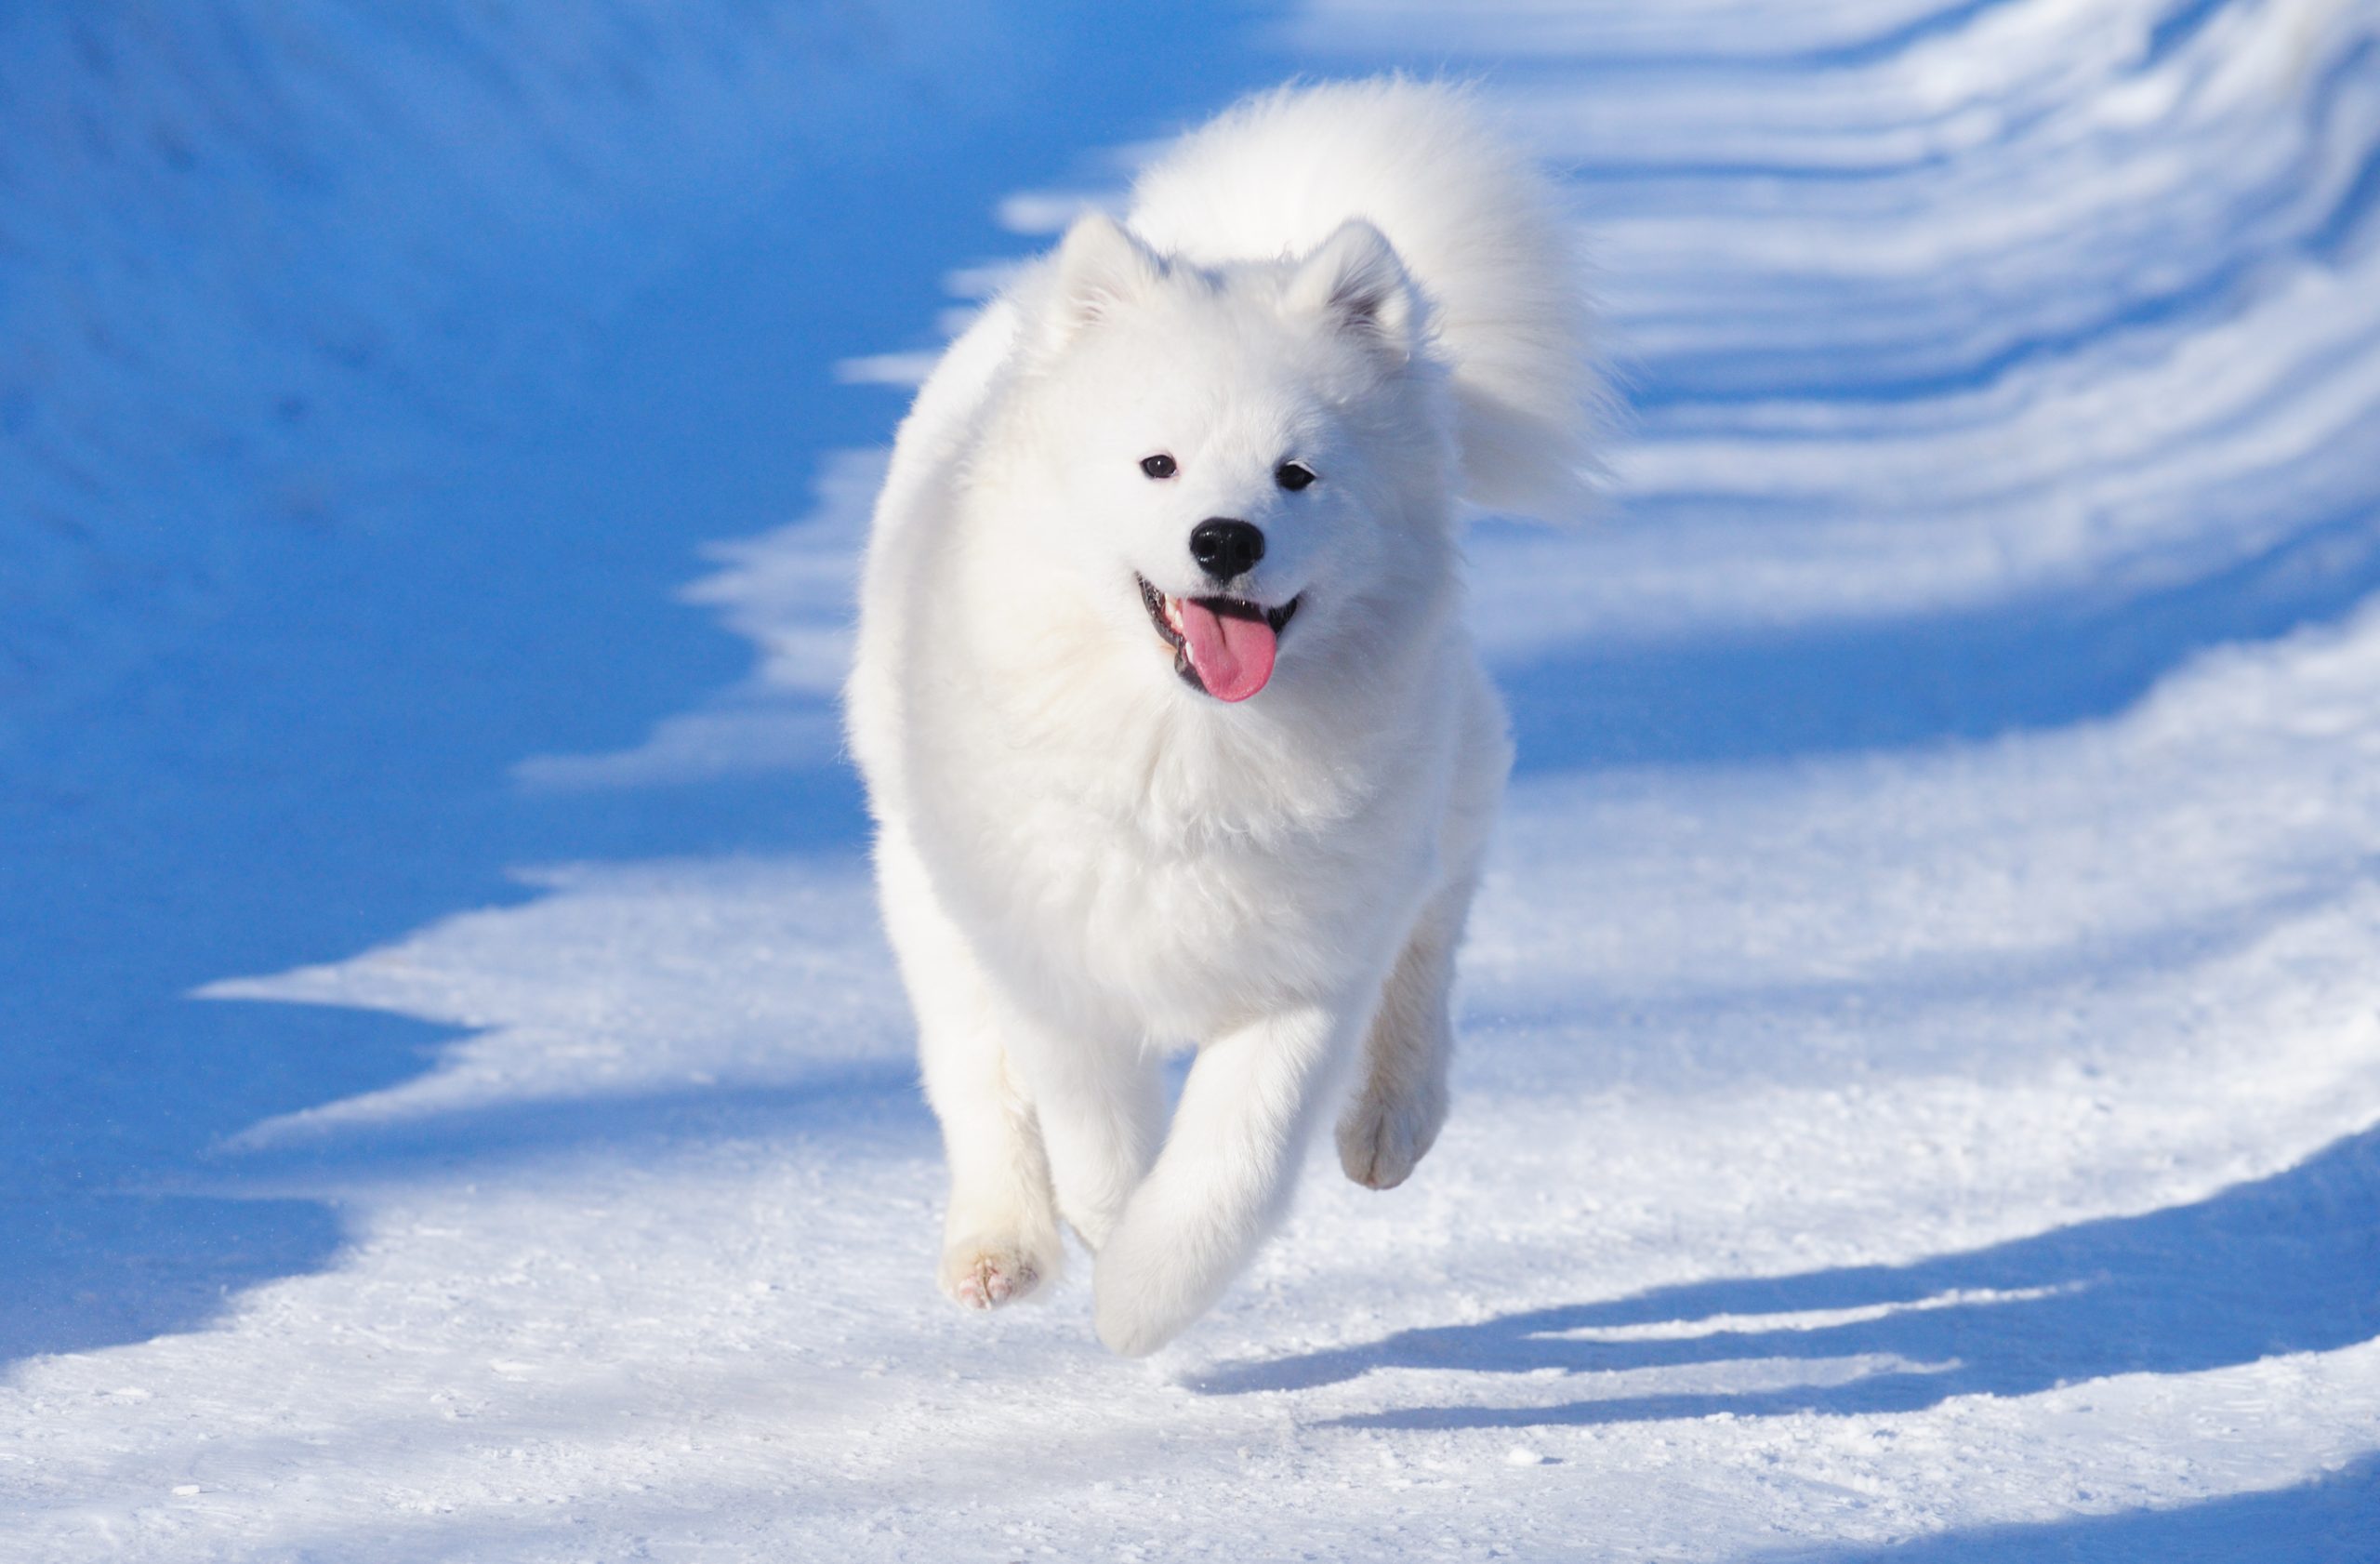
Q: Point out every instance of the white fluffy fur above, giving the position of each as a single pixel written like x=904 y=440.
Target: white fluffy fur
x=1083 y=860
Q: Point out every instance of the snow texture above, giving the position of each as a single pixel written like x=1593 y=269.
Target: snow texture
x=1919 y=1092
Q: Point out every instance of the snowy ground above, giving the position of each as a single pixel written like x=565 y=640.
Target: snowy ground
x=1921 y=1072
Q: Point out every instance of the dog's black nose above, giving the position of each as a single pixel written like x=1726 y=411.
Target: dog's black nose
x=1224 y=548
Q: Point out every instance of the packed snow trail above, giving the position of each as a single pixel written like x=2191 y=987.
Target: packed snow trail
x=1921 y=1057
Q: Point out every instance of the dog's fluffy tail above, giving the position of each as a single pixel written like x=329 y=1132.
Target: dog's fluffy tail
x=1480 y=230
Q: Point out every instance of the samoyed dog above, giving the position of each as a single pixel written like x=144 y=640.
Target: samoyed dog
x=1171 y=727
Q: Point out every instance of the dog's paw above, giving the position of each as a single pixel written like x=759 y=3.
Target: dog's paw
x=984 y=1274
x=1143 y=1291
x=1381 y=1141
x=1132 y=1321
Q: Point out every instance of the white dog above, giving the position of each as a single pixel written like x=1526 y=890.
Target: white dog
x=1171 y=727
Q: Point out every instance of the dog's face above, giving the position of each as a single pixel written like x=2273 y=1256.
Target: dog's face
x=1232 y=468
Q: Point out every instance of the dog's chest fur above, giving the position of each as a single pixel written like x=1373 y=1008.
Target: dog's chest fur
x=1161 y=867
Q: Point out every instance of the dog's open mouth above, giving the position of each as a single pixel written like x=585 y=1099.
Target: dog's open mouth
x=1222 y=646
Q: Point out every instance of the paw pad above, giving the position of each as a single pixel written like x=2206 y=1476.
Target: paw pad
x=980 y=1277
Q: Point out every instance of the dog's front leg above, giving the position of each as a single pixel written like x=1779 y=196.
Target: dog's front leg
x=1000 y=1238
x=1225 y=1174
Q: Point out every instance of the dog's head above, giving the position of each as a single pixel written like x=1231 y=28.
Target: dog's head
x=1233 y=466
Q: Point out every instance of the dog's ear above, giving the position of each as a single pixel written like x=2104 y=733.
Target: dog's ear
x=1101 y=266
x=1354 y=278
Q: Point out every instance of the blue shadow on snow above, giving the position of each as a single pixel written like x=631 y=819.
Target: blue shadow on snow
x=2331 y=1521
x=2286 y=1263
x=329 y=768
x=2046 y=661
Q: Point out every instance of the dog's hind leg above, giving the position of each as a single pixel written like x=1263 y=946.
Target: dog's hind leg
x=1400 y=1100
x=1000 y=1238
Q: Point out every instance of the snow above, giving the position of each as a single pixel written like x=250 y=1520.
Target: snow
x=1921 y=1085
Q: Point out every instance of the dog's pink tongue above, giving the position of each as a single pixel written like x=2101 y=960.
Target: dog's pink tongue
x=1232 y=656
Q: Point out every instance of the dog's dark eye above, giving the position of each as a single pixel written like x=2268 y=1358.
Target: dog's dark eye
x=1158 y=466
x=1294 y=475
